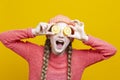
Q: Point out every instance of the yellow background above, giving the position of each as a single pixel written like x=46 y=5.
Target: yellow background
x=101 y=18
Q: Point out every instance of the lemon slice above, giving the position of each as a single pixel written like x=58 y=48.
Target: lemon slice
x=67 y=31
x=55 y=29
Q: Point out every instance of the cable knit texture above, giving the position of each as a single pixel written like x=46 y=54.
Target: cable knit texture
x=57 y=67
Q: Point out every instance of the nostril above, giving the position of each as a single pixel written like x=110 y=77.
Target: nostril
x=61 y=36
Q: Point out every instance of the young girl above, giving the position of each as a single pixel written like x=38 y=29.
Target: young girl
x=57 y=60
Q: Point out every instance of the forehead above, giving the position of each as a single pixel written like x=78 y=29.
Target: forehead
x=61 y=25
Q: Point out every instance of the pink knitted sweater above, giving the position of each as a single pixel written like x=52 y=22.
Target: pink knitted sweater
x=57 y=68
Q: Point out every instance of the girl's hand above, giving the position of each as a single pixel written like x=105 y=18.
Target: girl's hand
x=42 y=29
x=78 y=30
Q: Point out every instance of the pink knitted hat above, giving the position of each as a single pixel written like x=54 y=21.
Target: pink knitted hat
x=61 y=18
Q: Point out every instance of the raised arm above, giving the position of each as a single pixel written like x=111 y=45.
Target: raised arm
x=13 y=40
x=100 y=49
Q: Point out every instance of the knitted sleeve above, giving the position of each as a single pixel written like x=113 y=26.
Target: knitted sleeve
x=100 y=50
x=12 y=40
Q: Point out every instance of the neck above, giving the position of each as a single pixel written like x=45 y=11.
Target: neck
x=58 y=53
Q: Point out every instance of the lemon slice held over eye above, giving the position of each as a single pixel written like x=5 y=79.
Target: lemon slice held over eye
x=55 y=29
x=67 y=31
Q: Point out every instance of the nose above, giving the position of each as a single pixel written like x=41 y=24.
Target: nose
x=61 y=35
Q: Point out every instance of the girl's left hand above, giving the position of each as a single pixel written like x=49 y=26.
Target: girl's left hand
x=79 y=32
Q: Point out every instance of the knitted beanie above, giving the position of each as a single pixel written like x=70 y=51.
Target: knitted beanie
x=61 y=18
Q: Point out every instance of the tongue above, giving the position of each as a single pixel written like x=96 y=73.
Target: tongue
x=59 y=46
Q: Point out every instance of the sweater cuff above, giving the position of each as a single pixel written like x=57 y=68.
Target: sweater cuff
x=89 y=41
x=29 y=32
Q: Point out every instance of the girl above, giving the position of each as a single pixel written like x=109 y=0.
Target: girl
x=57 y=60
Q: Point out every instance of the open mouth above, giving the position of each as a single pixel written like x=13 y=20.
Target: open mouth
x=59 y=44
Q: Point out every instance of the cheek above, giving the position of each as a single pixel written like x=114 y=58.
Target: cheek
x=67 y=41
x=52 y=40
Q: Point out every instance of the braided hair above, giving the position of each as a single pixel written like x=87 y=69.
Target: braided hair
x=47 y=51
x=69 y=52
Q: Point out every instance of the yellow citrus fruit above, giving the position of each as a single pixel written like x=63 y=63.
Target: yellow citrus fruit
x=67 y=31
x=55 y=29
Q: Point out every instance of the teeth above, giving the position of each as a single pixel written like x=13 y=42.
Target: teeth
x=60 y=41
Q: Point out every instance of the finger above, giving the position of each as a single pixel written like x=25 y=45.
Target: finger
x=44 y=28
x=72 y=27
x=49 y=26
x=44 y=25
x=81 y=24
x=38 y=28
x=71 y=36
x=76 y=21
x=50 y=33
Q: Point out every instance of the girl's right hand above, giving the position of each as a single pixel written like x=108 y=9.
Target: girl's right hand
x=42 y=29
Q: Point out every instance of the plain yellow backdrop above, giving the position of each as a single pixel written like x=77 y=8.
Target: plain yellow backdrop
x=101 y=18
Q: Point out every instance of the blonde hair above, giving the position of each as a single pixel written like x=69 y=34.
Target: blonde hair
x=47 y=51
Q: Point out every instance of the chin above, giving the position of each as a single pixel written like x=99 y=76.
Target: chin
x=58 y=52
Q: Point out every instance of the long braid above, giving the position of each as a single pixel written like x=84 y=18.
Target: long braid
x=69 y=51
x=47 y=51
